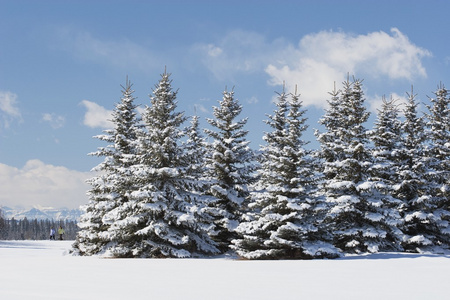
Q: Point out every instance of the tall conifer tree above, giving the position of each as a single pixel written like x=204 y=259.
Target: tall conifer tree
x=412 y=167
x=433 y=229
x=166 y=203
x=384 y=172
x=230 y=167
x=195 y=149
x=284 y=213
x=412 y=187
x=354 y=217
x=112 y=187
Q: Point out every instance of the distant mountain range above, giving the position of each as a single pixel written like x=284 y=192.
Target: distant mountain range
x=41 y=213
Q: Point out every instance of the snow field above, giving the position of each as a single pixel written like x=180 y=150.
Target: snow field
x=44 y=270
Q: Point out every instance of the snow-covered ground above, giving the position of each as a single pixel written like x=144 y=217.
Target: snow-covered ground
x=44 y=270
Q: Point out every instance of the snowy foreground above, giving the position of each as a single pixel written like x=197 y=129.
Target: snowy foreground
x=45 y=270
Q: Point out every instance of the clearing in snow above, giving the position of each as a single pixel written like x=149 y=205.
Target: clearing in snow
x=45 y=270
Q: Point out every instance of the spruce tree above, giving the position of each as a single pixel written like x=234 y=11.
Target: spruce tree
x=230 y=167
x=2 y=225
x=431 y=229
x=410 y=153
x=438 y=133
x=354 y=216
x=112 y=187
x=166 y=203
x=384 y=172
x=195 y=149
x=284 y=215
x=412 y=186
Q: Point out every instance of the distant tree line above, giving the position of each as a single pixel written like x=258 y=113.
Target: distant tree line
x=25 y=229
x=164 y=190
x=2 y=221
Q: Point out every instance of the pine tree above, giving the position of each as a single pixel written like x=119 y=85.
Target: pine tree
x=438 y=132
x=3 y=225
x=430 y=229
x=195 y=149
x=112 y=187
x=384 y=172
x=284 y=215
x=165 y=205
x=230 y=167
x=195 y=153
x=438 y=125
x=354 y=216
x=410 y=181
x=411 y=187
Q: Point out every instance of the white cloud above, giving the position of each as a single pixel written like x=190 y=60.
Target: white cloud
x=317 y=61
x=325 y=57
x=8 y=108
x=55 y=121
x=314 y=80
x=41 y=184
x=96 y=115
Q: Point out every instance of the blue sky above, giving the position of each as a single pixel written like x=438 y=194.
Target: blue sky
x=62 y=64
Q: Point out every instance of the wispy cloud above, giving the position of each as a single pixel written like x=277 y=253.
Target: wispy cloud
x=122 y=53
x=252 y=100
x=376 y=102
x=238 y=52
x=201 y=108
x=54 y=120
x=317 y=61
x=96 y=116
x=42 y=184
x=9 y=110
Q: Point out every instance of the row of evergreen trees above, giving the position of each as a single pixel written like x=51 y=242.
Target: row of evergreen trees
x=24 y=229
x=163 y=191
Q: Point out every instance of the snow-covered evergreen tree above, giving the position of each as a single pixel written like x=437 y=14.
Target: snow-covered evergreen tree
x=384 y=172
x=355 y=217
x=438 y=133
x=230 y=167
x=410 y=154
x=412 y=187
x=431 y=220
x=166 y=202
x=112 y=187
x=284 y=214
x=164 y=207
x=195 y=149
